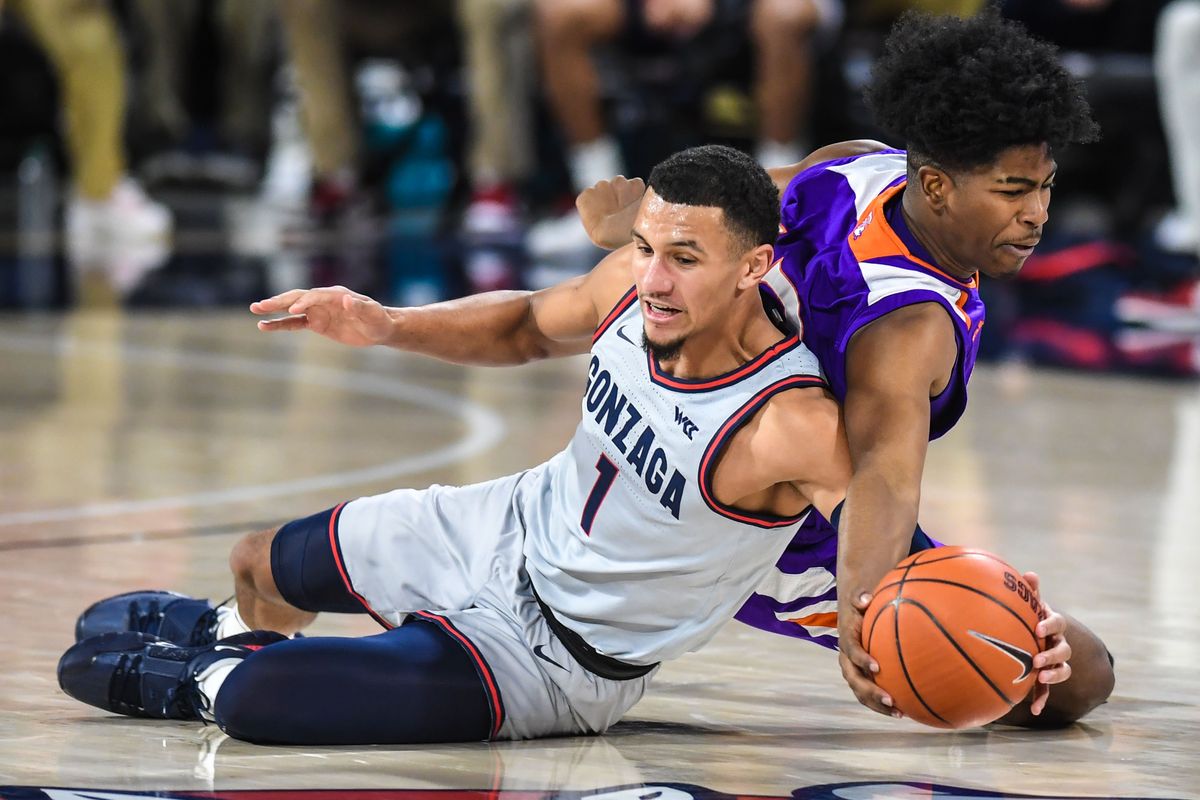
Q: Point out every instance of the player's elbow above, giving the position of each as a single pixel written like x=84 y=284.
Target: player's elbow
x=1089 y=687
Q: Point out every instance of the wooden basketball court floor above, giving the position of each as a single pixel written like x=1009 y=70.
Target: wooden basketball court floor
x=137 y=448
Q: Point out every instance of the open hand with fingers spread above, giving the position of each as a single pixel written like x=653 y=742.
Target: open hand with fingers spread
x=332 y=311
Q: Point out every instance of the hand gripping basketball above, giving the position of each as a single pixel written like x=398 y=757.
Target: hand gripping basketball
x=955 y=633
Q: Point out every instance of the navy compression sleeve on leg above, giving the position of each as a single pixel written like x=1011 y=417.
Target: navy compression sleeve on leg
x=412 y=684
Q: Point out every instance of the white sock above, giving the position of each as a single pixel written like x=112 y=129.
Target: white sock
x=230 y=622
x=209 y=683
x=597 y=160
x=770 y=153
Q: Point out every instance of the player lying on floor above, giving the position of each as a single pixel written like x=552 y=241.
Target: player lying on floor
x=878 y=262
x=540 y=603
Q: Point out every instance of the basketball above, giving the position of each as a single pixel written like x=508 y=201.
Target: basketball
x=952 y=629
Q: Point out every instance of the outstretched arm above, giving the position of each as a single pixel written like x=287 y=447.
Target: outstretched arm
x=490 y=329
x=893 y=365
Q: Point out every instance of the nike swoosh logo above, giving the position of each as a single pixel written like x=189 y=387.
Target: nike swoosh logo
x=1018 y=655
x=538 y=651
x=621 y=334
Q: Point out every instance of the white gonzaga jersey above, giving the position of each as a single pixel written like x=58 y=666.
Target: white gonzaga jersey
x=625 y=541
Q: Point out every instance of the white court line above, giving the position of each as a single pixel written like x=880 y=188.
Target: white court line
x=484 y=427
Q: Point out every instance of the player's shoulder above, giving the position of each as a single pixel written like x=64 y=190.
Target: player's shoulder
x=794 y=415
x=608 y=284
x=917 y=340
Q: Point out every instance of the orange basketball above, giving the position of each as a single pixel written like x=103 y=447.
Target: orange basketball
x=953 y=631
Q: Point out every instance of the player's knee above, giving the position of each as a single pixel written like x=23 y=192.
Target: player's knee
x=250 y=559
x=240 y=710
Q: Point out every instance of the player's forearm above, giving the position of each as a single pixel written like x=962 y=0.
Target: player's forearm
x=875 y=530
x=490 y=329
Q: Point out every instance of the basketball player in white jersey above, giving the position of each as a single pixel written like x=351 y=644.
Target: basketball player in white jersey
x=543 y=602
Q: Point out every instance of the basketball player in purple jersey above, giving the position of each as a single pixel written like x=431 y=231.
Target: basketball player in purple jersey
x=878 y=263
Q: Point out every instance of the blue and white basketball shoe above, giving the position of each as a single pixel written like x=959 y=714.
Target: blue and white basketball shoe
x=169 y=616
x=139 y=675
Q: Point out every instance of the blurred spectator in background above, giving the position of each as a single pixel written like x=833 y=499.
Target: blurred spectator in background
x=782 y=33
x=316 y=48
x=321 y=35
x=106 y=207
x=183 y=148
x=498 y=42
x=1177 y=69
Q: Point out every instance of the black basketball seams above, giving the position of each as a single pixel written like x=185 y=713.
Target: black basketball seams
x=934 y=551
x=946 y=582
x=904 y=665
x=954 y=642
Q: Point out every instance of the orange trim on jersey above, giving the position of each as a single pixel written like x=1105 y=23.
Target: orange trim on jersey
x=872 y=238
x=961 y=305
x=620 y=308
x=827 y=619
x=485 y=672
x=729 y=377
x=341 y=567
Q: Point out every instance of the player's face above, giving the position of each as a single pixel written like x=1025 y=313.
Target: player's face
x=996 y=214
x=684 y=270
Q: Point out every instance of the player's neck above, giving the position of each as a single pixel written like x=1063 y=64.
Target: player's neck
x=924 y=228
x=708 y=354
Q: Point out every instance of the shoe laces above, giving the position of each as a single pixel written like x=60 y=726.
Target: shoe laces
x=143 y=617
x=148 y=618
x=125 y=691
x=205 y=630
x=124 y=688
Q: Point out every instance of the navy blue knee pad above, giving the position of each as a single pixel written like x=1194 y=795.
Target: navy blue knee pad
x=305 y=569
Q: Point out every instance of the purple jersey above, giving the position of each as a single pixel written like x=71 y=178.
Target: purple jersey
x=844 y=258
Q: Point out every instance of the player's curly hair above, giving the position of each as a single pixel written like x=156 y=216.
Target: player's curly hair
x=961 y=91
x=724 y=178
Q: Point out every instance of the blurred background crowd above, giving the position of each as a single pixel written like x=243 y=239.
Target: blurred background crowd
x=199 y=153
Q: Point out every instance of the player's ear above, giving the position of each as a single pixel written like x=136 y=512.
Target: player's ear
x=935 y=184
x=755 y=265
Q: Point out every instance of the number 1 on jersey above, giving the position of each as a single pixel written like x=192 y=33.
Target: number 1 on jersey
x=608 y=474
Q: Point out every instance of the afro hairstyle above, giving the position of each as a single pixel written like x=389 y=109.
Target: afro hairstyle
x=961 y=91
